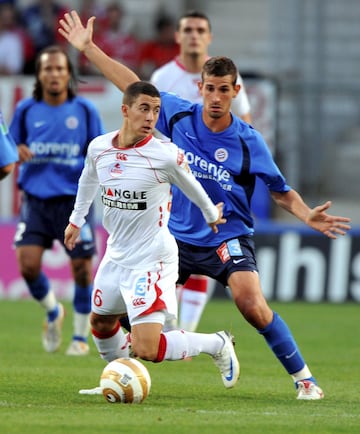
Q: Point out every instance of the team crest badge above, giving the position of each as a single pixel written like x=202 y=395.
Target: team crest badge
x=116 y=170
x=221 y=155
x=72 y=122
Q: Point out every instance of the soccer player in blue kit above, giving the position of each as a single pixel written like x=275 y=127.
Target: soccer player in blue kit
x=8 y=152
x=225 y=154
x=52 y=130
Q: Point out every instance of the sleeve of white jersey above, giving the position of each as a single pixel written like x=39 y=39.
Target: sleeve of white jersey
x=87 y=189
x=240 y=105
x=182 y=177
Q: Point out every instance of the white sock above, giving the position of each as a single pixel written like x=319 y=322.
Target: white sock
x=113 y=347
x=81 y=324
x=210 y=289
x=302 y=374
x=181 y=344
x=172 y=324
x=49 y=302
x=192 y=307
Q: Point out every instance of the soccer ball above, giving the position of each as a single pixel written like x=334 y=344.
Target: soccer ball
x=125 y=380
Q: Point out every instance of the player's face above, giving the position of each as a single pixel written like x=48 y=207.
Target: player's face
x=193 y=36
x=142 y=116
x=218 y=93
x=54 y=75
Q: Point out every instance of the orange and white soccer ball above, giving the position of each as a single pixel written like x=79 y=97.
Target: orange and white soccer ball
x=125 y=380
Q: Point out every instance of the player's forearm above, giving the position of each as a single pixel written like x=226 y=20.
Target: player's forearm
x=80 y=211
x=292 y=202
x=114 y=71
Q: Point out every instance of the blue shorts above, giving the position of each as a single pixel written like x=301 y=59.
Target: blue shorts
x=217 y=262
x=44 y=220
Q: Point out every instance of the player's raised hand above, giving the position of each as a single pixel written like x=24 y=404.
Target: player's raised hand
x=329 y=225
x=220 y=220
x=73 y=30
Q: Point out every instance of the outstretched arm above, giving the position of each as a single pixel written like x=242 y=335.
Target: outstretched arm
x=316 y=218
x=81 y=38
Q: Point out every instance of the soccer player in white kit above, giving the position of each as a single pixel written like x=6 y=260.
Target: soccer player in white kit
x=137 y=275
x=181 y=76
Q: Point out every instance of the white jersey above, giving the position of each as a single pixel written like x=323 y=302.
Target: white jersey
x=135 y=188
x=173 y=77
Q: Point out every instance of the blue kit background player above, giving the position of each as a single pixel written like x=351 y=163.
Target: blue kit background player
x=226 y=155
x=8 y=152
x=52 y=131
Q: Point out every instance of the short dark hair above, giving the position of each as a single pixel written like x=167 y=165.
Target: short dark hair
x=162 y=22
x=139 y=88
x=54 y=49
x=193 y=14
x=219 y=66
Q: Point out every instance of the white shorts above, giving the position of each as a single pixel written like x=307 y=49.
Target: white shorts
x=138 y=293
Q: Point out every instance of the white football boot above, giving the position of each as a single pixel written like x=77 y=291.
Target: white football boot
x=227 y=361
x=308 y=390
x=52 y=332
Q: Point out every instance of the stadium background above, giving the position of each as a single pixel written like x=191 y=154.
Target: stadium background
x=301 y=64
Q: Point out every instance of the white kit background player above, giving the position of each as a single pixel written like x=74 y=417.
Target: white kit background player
x=181 y=76
x=138 y=273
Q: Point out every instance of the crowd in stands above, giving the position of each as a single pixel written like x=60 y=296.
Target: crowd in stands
x=26 y=30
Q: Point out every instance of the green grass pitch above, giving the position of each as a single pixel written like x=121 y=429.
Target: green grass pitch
x=39 y=391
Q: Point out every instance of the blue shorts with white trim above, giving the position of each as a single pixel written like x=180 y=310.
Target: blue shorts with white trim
x=217 y=262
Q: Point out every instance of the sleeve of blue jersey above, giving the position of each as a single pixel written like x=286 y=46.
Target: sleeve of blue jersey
x=16 y=126
x=170 y=105
x=263 y=164
x=96 y=125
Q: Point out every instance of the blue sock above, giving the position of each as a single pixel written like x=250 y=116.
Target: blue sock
x=79 y=338
x=82 y=299
x=39 y=287
x=283 y=345
x=52 y=315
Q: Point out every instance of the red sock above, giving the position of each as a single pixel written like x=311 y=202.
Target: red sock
x=196 y=283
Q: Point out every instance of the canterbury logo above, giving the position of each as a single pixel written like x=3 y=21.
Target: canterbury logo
x=139 y=302
x=121 y=156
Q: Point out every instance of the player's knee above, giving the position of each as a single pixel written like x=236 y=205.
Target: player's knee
x=145 y=351
x=29 y=271
x=102 y=324
x=257 y=314
x=29 y=264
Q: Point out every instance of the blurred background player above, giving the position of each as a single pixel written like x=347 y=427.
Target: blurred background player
x=40 y=21
x=12 y=53
x=115 y=37
x=52 y=130
x=8 y=151
x=181 y=76
x=160 y=50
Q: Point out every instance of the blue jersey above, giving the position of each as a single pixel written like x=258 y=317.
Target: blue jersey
x=58 y=136
x=8 y=151
x=225 y=163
